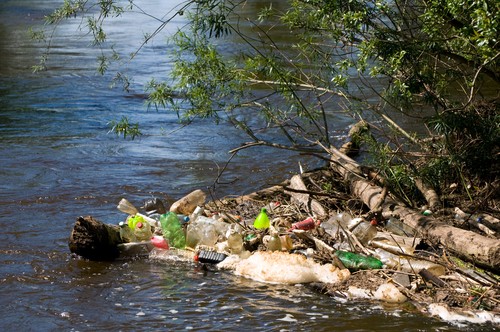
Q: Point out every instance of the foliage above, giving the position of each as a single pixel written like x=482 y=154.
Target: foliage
x=432 y=60
x=123 y=127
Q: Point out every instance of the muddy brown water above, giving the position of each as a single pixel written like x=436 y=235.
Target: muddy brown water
x=58 y=162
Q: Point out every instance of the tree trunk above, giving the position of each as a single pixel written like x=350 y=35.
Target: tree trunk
x=94 y=240
x=468 y=245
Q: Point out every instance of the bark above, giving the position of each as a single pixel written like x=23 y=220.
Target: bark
x=302 y=199
x=468 y=245
x=94 y=240
x=429 y=193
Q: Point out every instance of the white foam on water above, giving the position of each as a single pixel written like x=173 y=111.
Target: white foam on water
x=288 y=318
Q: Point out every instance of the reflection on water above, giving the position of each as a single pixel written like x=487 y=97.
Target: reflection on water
x=59 y=162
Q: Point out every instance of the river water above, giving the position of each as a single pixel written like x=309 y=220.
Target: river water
x=58 y=161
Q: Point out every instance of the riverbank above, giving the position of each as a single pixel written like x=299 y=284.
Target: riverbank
x=450 y=288
x=416 y=274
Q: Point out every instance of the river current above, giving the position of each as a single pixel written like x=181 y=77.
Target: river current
x=58 y=161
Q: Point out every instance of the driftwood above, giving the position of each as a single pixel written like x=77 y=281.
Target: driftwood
x=468 y=245
x=94 y=240
x=301 y=198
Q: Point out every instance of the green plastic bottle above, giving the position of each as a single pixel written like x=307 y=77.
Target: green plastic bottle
x=354 y=261
x=172 y=230
x=262 y=220
x=132 y=221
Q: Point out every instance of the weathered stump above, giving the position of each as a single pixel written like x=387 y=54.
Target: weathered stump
x=94 y=240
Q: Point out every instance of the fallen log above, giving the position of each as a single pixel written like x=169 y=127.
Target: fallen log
x=94 y=240
x=470 y=246
x=303 y=199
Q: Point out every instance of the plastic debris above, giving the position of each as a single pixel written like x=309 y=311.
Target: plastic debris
x=262 y=220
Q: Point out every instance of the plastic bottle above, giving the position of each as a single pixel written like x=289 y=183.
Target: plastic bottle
x=305 y=225
x=262 y=220
x=286 y=243
x=159 y=242
x=183 y=219
x=143 y=232
x=126 y=233
x=274 y=243
x=355 y=262
x=332 y=226
x=235 y=242
x=132 y=221
x=363 y=230
x=198 y=211
x=193 y=236
x=204 y=231
x=398 y=227
x=407 y=264
x=172 y=230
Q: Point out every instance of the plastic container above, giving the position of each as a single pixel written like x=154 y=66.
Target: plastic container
x=398 y=227
x=172 y=230
x=210 y=257
x=159 y=242
x=126 y=233
x=262 y=220
x=235 y=242
x=410 y=265
x=286 y=243
x=354 y=261
x=274 y=243
x=132 y=221
x=333 y=227
x=143 y=232
x=205 y=231
x=198 y=211
x=363 y=230
x=193 y=236
x=305 y=225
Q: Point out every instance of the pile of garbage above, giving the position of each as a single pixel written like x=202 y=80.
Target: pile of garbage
x=343 y=255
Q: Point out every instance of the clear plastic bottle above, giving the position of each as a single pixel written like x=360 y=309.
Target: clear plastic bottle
x=198 y=211
x=363 y=230
x=193 y=236
x=398 y=227
x=143 y=231
x=235 y=242
x=126 y=233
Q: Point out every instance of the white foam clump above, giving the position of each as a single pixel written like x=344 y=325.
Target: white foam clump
x=283 y=267
x=389 y=293
x=478 y=317
x=386 y=292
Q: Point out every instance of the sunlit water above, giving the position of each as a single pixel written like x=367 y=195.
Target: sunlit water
x=59 y=162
